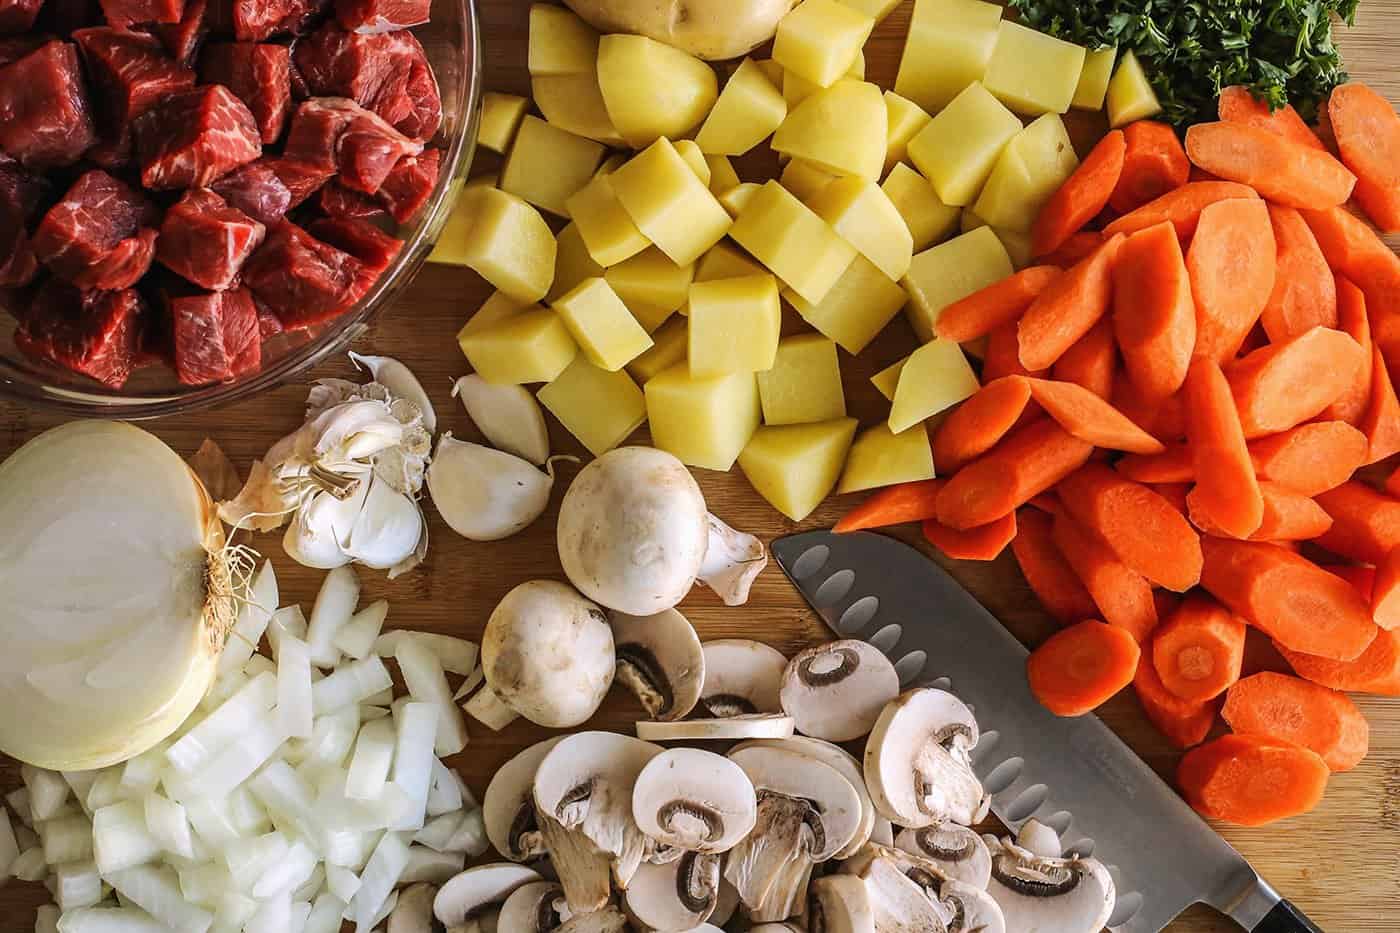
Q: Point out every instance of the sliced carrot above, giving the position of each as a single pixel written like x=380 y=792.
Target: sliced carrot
x=1226 y=488
x=1082 y=196
x=975 y=426
x=1091 y=362
x=1164 y=419
x=1365 y=522
x=1049 y=576
x=1184 y=723
x=1177 y=494
x=1392 y=483
x=1376 y=671
x=1141 y=528
x=1181 y=208
x=1362 y=579
x=1154 y=312
x=1003 y=356
x=1078 y=247
x=1287 y=597
x=1280 y=170
x=1090 y=418
x=1305 y=290
x=1080 y=668
x=986 y=542
x=1067 y=309
x=1046 y=502
x=1285 y=384
x=1288 y=516
x=1385 y=592
x=1250 y=780
x=1000 y=303
x=894 y=505
x=1153 y=164
x=1354 y=250
x=1239 y=105
x=1165 y=601
x=1381 y=422
x=1174 y=465
x=1290 y=709
x=1123 y=595
x=1027 y=462
x=1352 y=320
x=1368 y=138
x=1199 y=650
x=1232 y=264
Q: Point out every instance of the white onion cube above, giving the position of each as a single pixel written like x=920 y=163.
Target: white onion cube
x=247 y=859
x=426 y=681
x=120 y=839
x=78 y=885
x=253 y=616
x=157 y=892
x=288 y=620
x=434 y=867
x=334 y=606
x=380 y=877
x=167 y=821
x=294 y=688
x=471 y=835
x=356 y=639
x=238 y=713
x=413 y=760
x=67 y=839
x=47 y=791
x=110 y=920
x=353 y=683
x=325 y=915
x=369 y=766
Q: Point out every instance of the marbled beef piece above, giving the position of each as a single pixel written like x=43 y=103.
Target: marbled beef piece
x=303 y=280
x=335 y=133
x=386 y=73
x=258 y=20
x=193 y=138
x=215 y=335
x=13 y=48
x=336 y=200
x=206 y=241
x=183 y=39
x=96 y=334
x=23 y=193
x=129 y=73
x=124 y=14
x=411 y=184
x=260 y=74
x=18 y=16
x=374 y=248
x=45 y=115
x=267 y=189
x=100 y=236
x=374 y=16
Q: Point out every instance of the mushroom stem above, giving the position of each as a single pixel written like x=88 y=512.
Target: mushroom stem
x=487 y=708
x=733 y=560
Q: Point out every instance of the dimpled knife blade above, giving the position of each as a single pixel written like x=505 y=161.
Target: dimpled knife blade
x=1073 y=774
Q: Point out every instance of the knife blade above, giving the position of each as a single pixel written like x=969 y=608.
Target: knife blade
x=1075 y=774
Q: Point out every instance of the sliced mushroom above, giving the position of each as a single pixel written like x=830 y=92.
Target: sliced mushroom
x=730 y=728
x=1050 y=895
x=742 y=677
x=479 y=889
x=1038 y=839
x=917 y=765
x=836 y=691
x=694 y=800
x=883 y=832
x=793 y=878
x=508 y=809
x=726 y=903
x=958 y=851
x=583 y=869
x=604 y=920
x=896 y=902
x=675 y=896
x=533 y=908
x=848 y=767
x=783 y=927
x=414 y=911
x=961 y=908
x=839 y=904
x=484 y=922
x=659 y=658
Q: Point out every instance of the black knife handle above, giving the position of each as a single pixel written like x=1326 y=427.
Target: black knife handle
x=1285 y=918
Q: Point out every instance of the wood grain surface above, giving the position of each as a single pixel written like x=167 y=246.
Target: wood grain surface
x=1340 y=864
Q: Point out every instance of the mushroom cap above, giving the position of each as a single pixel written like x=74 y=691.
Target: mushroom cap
x=742 y=676
x=531 y=908
x=606 y=920
x=508 y=809
x=675 y=896
x=839 y=904
x=834 y=814
x=632 y=530
x=659 y=657
x=836 y=691
x=548 y=654
x=958 y=851
x=730 y=728
x=1040 y=895
x=845 y=763
x=726 y=903
x=694 y=800
x=478 y=888
x=916 y=761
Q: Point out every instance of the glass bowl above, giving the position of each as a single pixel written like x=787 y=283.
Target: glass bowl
x=453 y=47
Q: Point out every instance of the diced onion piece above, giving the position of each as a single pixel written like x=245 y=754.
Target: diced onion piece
x=471 y=836
x=287 y=873
x=110 y=920
x=106 y=790
x=348 y=848
x=342 y=882
x=120 y=839
x=167 y=821
x=9 y=846
x=212 y=820
x=325 y=914
x=157 y=892
x=385 y=909
x=427 y=682
x=445 y=793
x=141 y=774
x=46 y=919
x=273 y=916
x=247 y=859
x=80 y=782
x=357 y=638
x=18 y=799
x=354 y=683
x=205 y=884
x=197 y=748
x=473 y=680
x=381 y=874
x=78 y=885
x=457 y=655
x=335 y=604
x=299 y=912
x=314 y=884
x=438 y=831
x=288 y=620
x=253 y=617
x=67 y=839
x=239 y=760
x=435 y=867
x=287 y=798
x=30 y=865
x=248 y=816
x=259 y=664
x=369 y=766
x=413 y=760
x=382 y=698
x=47 y=791
x=235 y=909
x=332 y=737
x=294 y=687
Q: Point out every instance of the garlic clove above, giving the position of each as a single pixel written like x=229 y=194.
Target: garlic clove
x=399 y=379
x=386 y=530
x=507 y=415
x=353 y=431
x=314 y=538
x=485 y=494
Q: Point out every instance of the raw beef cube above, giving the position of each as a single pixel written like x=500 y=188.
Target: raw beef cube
x=336 y=200
x=336 y=133
x=195 y=137
x=260 y=74
x=182 y=39
x=13 y=48
x=301 y=178
x=214 y=336
x=127 y=13
x=256 y=190
x=387 y=73
x=268 y=324
x=18 y=15
x=374 y=248
x=303 y=280
x=22 y=193
x=18 y=264
x=67 y=16
x=93 y=333
x=130 y=73
x=100 y=236
x=206 y=241
x=45 y=117
x=247 y=362
x=371 y=16
x=410 y=184
x=256 y=20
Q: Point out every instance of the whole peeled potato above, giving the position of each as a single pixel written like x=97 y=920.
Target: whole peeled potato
x=710 y=29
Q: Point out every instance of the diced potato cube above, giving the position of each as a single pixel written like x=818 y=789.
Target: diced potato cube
x=951 y=271
x=841 y=129
x=949 y=45
x=749 y=109
x=652 y=89
x=856 y=308
x=804 y=384
x=863 y=215
x=504 y=239
x=494 y=310
x=598 y=407
x=606 y=228
x=1089 y=94
x=881 y=458
x=492 y=180
x=560 y=42
x=668 y=348
x=1130 y=94
x=726 y=262
x=875 y=9
x=795 y=244
x=738 y=197
x=668 y=203
x=703 y=422
x=935 y=377
x=1033 y=73
x=532 y=345
x=857 y=69
x=573 y=264
x=1017 y=243
x=547 y=165
x=1031 y=168
x=734 y=325
x=886 y=381
x=601 y=325
x=652 y=286
x=611 y=164
x=959 y=147
x=500 y=119
x=795 y=467
x=575 y=103
x=796 y=89
x=771 y=70
x=804 y=179
x=723 y=177
x=929 y=220
x=906 y=120
x=690 y=151
x=820 y=39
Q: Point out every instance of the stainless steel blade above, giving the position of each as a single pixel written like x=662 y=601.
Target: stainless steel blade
x=1073 y=774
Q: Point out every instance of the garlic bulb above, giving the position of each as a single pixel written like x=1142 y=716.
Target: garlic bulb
x=387 y=531
x=485 y=494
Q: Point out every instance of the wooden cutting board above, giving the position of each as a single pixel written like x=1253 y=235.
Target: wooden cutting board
x=1340 y=864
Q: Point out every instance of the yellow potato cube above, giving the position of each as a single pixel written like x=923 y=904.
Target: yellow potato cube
x=575 y=103
x=1033 y=73
x=504 y=239
x=804 y=179
x=863 y=215
x=856 y=308
x=669 y=205
x=652 y=286
x=532 y=345
x=1130 y=94
x=493 y=310
x=796 y=89
x=820 y=40
x=653 y=90
x=959 y=148
x=500 y=119
x=1030 y=169
x=907 y=119
x=547 y=165
x=611 y=164
x=606 y=228
x=1092 y=88
x=726 y=262
x=771 y=70
x=951 y=271
x=703 y=422
x=929 y=220
x=695 y=159
x=841 y=129
x=601 y=325
x=749 y=109
x=795 y=467
x=804 y=384
x=668 y=348
x=600 y=408
x=492 y=180
x=1017 y=243
x=723 y=177
x=935 y=377
x=560 y=42
x=886 y=381
x=949 y=45
x=736 y=198
x=857 y=69
x=734 y=325
x=880 y=458
x=875 y=9
x=572 y=265
x=795 y=244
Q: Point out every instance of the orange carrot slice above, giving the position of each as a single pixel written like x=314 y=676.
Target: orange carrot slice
x=1090 y=418
x=1290 y=709
x=894 y=505
x=1083 y=195
x=1352 y=320
x=975 y=426
x=1000 y=303
x=1027 y=462
x=1232 y=263
x=1080 y=668
x=1280 y=170
x=1153 y=164
x=1353 y=249
x=1003 y=356
x=1362 y=579
x=1091 y=362
x=1174 y=465
x=1376 y=671
x=1385 y=592
x=1123 y=595
x=1066 y=310
x=1238 y=105
x=1181 y=208
x=1381 y=422
x=1184 y=723
x=1154 y=312
x=1368 y=138
x=1078 y=247
x=1311 y=458
x=1198 y=652
x=1250 y=780
x=1365 y=522
x=1226 y=489
x=986 y=542
x=1305 y=290
x=1049 y=576
x=1285 y=384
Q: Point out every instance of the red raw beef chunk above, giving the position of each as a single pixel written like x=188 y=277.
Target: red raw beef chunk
x=100 y=236
x=268 y=324
x=387 y=73
x=22 y=193
x=68 y=16
x=13 y=48
x=260 y=74
x=301 y=177
x=126 y=13
x=195 y=137
x=267 y=189
x=212 y=333
x=130 y=73
x=18 y=15
x=93 y=333
x=256 y=20
x=206 y=241
x=374 y=248
x=337 y=200
x=303 y=280
x=45 y=116
x=182 y=39
x=371 y=16
x=337 y=133
x=410 y=184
